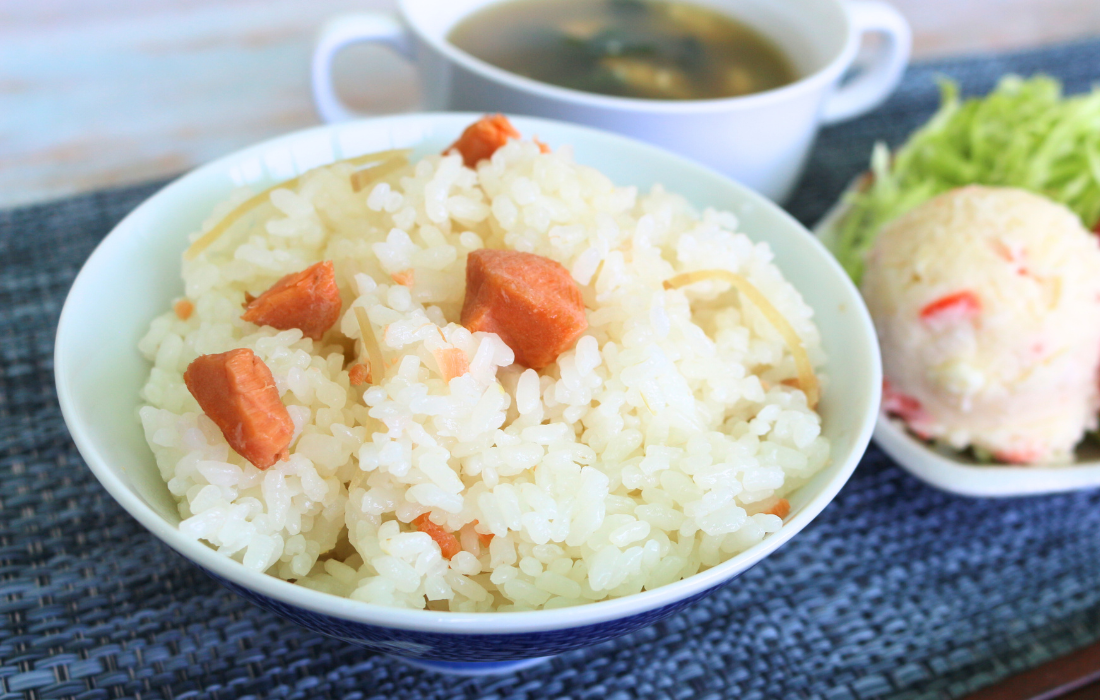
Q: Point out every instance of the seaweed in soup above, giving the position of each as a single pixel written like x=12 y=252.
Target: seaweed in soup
x=654 y=49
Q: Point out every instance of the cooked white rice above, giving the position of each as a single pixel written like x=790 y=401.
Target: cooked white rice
x=648 y=452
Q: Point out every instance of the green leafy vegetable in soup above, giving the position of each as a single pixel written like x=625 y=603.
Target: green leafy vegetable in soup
x=1023 y=134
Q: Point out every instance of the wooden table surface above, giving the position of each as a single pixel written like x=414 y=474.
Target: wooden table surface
x=95 y=93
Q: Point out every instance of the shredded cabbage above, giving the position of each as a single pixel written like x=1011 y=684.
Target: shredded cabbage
x=1023 y=134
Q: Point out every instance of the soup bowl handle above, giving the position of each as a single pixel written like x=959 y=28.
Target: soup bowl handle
x=880 y=74
x=381 y=28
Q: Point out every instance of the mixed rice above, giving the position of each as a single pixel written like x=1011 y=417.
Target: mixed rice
x=662 y=442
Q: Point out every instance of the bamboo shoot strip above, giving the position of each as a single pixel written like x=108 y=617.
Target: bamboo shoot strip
x=366 y=176
x=377 y=371
x=205 y=240
x=807 y=380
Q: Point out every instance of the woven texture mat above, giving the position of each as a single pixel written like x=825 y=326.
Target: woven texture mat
x=896 y=591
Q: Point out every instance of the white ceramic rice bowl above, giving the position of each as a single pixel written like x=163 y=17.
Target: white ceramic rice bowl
x=134 y=274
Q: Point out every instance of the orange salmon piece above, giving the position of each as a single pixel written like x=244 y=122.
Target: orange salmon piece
x=235 y=389
x=308 y=300
x=447 y=542
x=530 y=301
x=452 y=362
x=183 y=308
x=484 y=539
x=481 y=139
x=782 y=508
x=358 y=374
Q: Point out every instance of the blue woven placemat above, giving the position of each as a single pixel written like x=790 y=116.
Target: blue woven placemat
x=896 y=591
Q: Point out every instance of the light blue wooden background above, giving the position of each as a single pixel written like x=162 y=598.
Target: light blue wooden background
x=95 y=93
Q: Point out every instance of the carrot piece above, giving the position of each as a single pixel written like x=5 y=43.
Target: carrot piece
x=452 y=362
x=958 y=306
x=481 y=139
x=543 y=148
x=183 y=308
x=308 y=300
x=404 y=277
x=782 y=508
x=447 y=542
x=530 y=301
x=358 y=374
x=236 y=390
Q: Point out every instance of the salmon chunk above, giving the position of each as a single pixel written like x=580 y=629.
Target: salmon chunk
x=483 y=538
x=447 y=542
x=782 y=508
x=183 y=308
x=452 y=363
x=308 y=300
x=530 y=301
x=235 y=389
x=358 y=374
x=482 y=139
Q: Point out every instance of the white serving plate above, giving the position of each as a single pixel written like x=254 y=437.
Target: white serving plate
x=951 y=471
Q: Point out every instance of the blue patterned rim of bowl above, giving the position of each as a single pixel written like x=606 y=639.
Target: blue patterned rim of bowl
x=449 y=652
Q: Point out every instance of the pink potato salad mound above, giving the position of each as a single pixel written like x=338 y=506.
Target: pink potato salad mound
x=986 y=302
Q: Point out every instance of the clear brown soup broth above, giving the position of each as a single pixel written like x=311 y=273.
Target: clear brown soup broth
x=651 y=49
